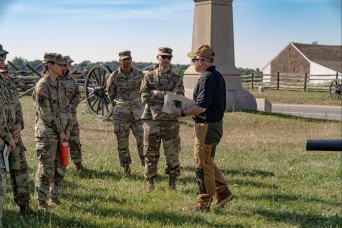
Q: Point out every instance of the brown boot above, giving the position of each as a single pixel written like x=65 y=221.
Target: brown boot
x=150 y=184
x=127 y=170
x=222 y=198
x=43 y=206
x=172 y=182
x=25 y=210
x=54 y=202
x=79 y=166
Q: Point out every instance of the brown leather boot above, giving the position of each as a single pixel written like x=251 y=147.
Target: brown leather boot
x=222 y=198
x=150 y=184
x=172 y=182
x=43 y=206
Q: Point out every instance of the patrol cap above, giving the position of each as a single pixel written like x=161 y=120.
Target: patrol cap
x=53 y=57
x=165 y=51
x=125 y=54
x=67 y=59
x=2 y=51
x=204 y=51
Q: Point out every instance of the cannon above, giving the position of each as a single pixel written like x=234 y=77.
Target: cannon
x=324 y=145
x=335 y=89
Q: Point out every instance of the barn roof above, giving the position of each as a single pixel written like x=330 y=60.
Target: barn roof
x=329 y=56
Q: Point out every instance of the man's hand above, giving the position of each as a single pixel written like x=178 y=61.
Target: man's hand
x=16 y=134
x=63 y=137
x=10 y=146
x=67 y=134
x=176 y=112
x=157 y=93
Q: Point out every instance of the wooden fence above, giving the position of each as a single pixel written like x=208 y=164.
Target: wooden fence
x=293 y=81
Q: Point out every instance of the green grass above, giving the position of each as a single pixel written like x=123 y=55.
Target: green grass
x=277 y=182
x=297 y=97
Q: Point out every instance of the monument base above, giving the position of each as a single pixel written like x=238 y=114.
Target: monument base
x=237 y=99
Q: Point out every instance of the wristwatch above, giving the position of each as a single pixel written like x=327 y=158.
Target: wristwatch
x=182 y=113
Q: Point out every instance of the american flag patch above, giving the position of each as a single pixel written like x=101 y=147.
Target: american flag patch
x=44 y=93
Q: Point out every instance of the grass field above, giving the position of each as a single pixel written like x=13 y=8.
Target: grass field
x=297 y=97
x=277 y=182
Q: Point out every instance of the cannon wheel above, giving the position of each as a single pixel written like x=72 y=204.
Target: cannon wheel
x=96 y=96
x=335 y=89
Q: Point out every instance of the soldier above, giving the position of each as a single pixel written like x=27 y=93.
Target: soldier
x=15 y=124
x=123 y=89
x=74 y=98
x=159 y=126
x=53 y=126
x=5 y=138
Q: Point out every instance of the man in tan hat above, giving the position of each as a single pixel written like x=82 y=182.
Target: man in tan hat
x=74 y=98
x=208 y=111
x=159 y=126
x=123 y=90
x=53 y=127
x=15 y=124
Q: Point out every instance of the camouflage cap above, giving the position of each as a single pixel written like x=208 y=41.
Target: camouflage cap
x=2 y=51
x=67 y=59
x=125 y=54
x=53 y=57
x=204 y=51
x=165 y=51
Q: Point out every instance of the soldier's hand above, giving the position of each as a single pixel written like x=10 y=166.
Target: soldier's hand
x=16 y=134
x=62 y=137
x=67 y=134
x=10 y=146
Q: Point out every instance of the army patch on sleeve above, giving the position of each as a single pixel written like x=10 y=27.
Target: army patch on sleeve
x=43 y=92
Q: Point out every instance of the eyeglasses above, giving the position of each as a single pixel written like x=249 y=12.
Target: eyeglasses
x=194 y=60
x=166 y=57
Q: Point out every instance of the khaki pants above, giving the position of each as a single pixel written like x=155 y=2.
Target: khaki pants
x=209 y=178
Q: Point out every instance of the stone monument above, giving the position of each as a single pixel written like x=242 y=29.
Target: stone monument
x=213 y=25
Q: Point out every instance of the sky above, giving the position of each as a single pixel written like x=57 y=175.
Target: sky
x=97 y=30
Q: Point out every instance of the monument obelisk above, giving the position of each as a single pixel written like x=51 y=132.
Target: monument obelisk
x=213 y=25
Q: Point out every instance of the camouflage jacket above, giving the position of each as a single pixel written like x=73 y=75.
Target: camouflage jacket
x=4 y=133
x=124 y=93
x=167 y=82
x=50 y=103
x=11 y=104
x=72 y=92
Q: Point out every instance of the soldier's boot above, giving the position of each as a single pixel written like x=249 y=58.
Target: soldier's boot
x=127 y=170
x=150 y=184
x=172 y=182
x=43 y=206
x=54 y=202
x=25 y=210
x=79 y=166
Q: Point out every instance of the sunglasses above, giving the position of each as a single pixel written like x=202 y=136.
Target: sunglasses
x=165 y=57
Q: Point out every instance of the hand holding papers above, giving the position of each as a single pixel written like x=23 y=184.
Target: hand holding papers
x=172 y=102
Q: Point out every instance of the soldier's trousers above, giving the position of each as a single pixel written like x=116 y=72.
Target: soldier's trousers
x=20 y=179
x=50 y=173
x=122 y=127
x=209 y=178
x=155 y=133
x=75 y=142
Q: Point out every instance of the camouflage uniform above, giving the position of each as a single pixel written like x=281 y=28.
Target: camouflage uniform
x=14 y=116
x=160 y=126
x=124 y=94
x=74 y=98
x=51 y=120
x=5 y=136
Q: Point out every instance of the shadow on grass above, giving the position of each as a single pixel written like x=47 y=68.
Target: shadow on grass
x=302 y=219
x=287 y=198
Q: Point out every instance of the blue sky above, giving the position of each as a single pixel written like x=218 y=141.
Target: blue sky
x=97 y=30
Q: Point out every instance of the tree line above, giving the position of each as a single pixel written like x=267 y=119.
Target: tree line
x=21 y=63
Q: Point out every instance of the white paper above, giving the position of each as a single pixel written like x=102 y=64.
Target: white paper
x=172 y=101
x=5 y=156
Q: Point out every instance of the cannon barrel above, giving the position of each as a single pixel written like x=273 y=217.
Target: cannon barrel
x=324 y=145
x=34 y=70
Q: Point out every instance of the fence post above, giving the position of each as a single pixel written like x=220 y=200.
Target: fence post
x=278 y=81
x=305 y=80
x=252 y=81
x=336 y=75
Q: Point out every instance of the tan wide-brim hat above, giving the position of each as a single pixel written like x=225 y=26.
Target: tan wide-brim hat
x=204 y=51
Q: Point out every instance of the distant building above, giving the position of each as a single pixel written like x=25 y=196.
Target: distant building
x=312 y=59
